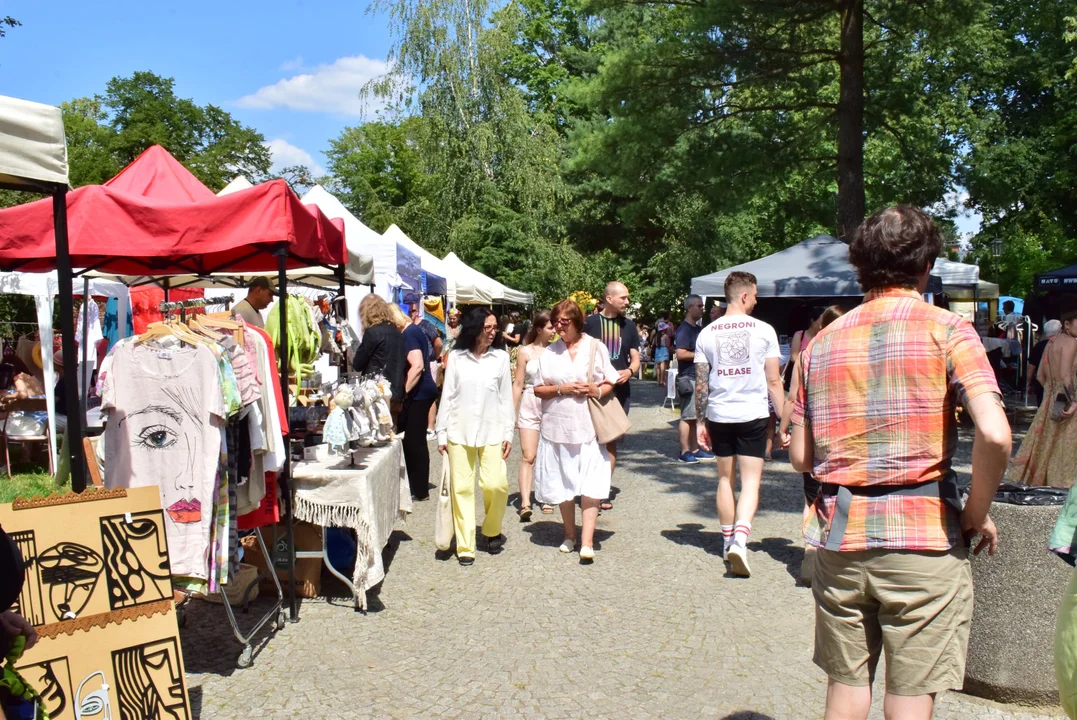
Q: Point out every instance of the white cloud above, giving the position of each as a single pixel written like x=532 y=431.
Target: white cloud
x=328 y=88
x=293 y=64
x=285 y=155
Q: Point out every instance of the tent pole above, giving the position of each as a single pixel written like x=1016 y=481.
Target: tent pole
x=285 y=478
x=340 y=280
x=67 y=344
x=85 y=340
x=166 y=285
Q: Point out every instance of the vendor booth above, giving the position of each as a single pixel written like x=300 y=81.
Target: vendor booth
x=471 y=287
x=966 y=291
x=435 y=277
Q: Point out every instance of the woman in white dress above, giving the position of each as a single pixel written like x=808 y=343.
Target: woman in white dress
x=570 y=462
x=528 y=407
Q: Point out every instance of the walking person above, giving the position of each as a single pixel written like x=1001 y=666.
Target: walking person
x=874 y=421
x=433 y=335
x=571 y=463
x=420 y=392
x=1033 y=387
x=528 y=407
x=621 y=338
x=1048 y=454
x=738 y=371
x=685 y=342
x=663 y=343
x=475 y=423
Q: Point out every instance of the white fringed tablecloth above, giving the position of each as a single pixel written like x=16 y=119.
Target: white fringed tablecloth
x=368 y=495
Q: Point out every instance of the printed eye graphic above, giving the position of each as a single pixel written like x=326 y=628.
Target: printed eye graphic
x=157 y=437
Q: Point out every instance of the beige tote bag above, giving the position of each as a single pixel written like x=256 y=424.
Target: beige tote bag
x=607 y=415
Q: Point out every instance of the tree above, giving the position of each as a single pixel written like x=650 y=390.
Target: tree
x=143 y=110
x=7 y=22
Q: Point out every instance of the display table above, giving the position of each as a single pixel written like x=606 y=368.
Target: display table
x=366 y=494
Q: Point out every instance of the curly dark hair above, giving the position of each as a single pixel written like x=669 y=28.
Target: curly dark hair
x=471 y=329
x=894 y=246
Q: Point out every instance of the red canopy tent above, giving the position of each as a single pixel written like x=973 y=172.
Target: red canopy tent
x=156 y=218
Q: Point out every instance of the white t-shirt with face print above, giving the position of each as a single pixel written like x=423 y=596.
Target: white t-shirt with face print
x=165 y=410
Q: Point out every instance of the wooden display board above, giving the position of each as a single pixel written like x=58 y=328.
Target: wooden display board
x=99 y=592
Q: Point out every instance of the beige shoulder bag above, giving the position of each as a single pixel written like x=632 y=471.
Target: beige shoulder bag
x=607 y=415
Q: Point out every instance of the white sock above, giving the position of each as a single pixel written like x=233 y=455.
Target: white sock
x=740 y=533
x=727 y=536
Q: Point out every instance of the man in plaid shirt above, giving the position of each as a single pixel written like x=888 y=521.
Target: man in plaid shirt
x=875 y=423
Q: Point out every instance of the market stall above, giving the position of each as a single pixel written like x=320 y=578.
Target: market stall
x=170 y=227
x=435 y=277
x=471 y=287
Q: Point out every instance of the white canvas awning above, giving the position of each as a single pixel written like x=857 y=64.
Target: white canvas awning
x=33 y=151
x=238 y=183
x=472 y=287
x=430 y=263
x=361 y=239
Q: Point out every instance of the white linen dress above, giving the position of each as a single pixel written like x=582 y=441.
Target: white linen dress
x=570 y=461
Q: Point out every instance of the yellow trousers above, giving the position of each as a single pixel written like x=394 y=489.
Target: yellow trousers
x=494 y=481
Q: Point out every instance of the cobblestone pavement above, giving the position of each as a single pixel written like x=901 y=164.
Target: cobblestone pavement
x=655 y=628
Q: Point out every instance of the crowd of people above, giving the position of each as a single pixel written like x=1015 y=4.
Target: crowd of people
x=866 y=408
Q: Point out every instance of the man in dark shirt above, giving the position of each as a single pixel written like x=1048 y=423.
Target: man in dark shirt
x=621 y=338
x=685 y=344
x=1050 y=329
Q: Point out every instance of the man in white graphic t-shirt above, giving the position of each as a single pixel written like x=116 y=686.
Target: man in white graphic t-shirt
x=737 y=364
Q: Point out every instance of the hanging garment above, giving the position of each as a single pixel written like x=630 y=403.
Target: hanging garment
x=165 y=409
x=90 y=323
x=110 y=324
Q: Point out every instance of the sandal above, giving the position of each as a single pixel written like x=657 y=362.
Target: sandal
x=547 y=509
x=605 y=505
x=524 y=513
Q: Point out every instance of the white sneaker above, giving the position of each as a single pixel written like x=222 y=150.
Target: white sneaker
x=568 y=545
x=587 y=554
x=737 y=557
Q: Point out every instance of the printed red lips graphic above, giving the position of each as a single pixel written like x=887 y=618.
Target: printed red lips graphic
x=186 y=511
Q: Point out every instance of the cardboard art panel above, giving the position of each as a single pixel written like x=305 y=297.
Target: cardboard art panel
x=98 y=589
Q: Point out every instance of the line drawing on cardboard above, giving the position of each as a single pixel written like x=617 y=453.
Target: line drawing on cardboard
x=136 y=559
x=52 y=679
x=70 y=571
x=29 y=603
x=96 y=703
x=149 y=681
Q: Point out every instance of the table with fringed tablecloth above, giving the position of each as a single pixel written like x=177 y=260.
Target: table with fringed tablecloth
x=367 y=493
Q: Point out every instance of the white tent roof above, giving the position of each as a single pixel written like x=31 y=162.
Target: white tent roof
x=238 y=183
x=388 y=259
x=33 y=151
x=430 y=262
x=470 y=286
x=955 y=273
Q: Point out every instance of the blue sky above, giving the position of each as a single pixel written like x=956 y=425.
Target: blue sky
x=291 y=69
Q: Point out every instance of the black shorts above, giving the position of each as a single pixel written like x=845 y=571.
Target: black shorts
x=746 y=439
x=812 y=488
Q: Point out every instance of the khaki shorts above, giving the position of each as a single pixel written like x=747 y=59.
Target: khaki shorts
x=917 y=606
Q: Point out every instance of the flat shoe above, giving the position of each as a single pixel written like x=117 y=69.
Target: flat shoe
x=525 y=514
x=547 y=509
x=587 y=554
x=568 y=545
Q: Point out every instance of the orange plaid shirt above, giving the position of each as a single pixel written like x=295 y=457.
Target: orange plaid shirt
x=878 y=393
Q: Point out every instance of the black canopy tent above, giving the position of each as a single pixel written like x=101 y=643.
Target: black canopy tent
x=1062 y=279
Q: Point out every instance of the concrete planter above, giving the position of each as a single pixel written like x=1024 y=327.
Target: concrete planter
x=1017 y=596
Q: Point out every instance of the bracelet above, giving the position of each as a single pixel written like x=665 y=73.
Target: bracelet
x=558 y=391
x=600 y=393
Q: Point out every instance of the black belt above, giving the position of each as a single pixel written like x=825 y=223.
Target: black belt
x=945 y=489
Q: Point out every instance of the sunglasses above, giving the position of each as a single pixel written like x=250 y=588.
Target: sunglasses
x=559 y=322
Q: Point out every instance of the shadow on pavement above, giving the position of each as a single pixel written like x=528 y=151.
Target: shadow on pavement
x=550 y=533
x=747 y=715
x=784 y=551
x=693 y=534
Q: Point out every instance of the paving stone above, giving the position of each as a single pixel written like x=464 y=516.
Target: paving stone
x=655 y=628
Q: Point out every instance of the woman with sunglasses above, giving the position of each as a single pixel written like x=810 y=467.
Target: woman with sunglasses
x=570 y=462
x=474 y=428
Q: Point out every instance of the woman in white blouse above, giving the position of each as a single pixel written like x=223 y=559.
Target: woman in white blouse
x=474 y=427
x=571 y=463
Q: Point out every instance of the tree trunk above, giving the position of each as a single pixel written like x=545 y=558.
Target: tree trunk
x=851 y=202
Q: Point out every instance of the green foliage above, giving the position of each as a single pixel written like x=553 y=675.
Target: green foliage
x=7 y=22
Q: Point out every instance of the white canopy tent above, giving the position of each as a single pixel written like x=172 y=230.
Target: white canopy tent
x=394 y=267
x=431 y=263
x=469 y=286
x=33 y=150
x=43 y=287
x=961 y=281
x=238 y=183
